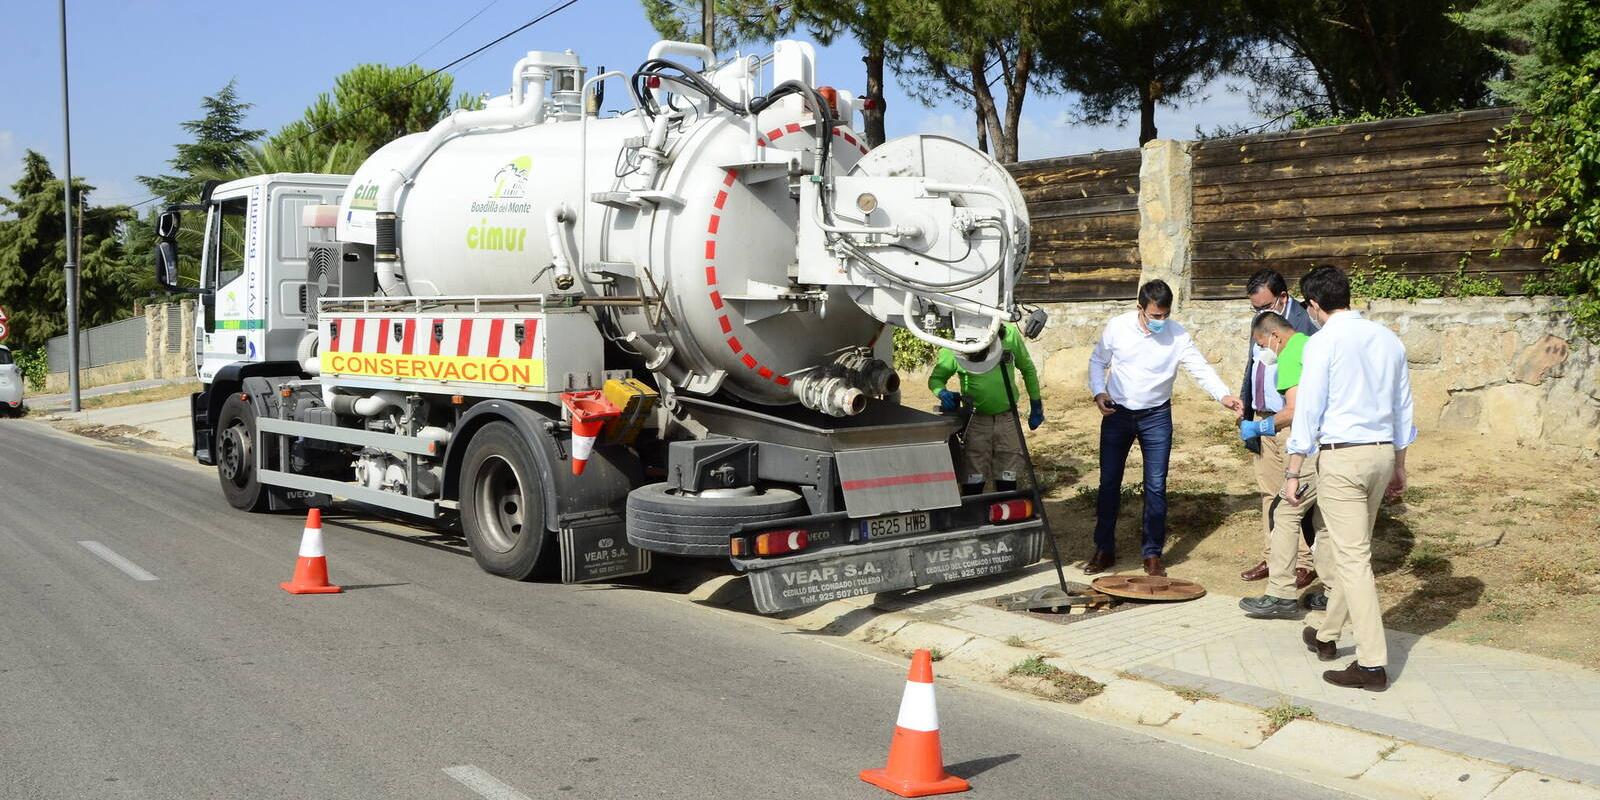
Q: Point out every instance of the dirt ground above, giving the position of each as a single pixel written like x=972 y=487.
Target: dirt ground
x=1492 y=544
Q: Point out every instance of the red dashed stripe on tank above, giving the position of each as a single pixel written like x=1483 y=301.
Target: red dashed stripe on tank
x=712 y=292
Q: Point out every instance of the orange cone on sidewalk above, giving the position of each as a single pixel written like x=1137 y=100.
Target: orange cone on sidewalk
x=916 y=767
x=311 y=569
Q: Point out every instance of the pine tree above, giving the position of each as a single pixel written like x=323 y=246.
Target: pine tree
x=32 y=256
x=219 y=143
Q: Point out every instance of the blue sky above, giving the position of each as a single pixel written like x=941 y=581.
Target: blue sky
x=140 y=67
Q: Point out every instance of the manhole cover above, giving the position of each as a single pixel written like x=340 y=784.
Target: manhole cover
x=1147 y=587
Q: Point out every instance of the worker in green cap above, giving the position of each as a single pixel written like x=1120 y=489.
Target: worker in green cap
x=994 y=444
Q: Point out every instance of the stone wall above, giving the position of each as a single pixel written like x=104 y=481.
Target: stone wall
x=1510 y=369
x=168 y=352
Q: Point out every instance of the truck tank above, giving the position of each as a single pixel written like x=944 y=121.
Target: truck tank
x=690 y=239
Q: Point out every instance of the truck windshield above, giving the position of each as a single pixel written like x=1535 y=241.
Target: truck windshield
x=228 y=241
x=5 y=356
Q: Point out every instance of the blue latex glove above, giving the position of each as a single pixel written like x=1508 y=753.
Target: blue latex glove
x=1035 y=414
x=1250 y=429
x=949 y=401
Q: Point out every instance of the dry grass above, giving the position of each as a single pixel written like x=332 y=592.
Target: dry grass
x=154 y=394
x=1284 y=713
x=1057 y=684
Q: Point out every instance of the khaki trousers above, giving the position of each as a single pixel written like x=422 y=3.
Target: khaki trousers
x=993 y=449
x=1269 y=464
x=1351 y=483
x=1288 y=548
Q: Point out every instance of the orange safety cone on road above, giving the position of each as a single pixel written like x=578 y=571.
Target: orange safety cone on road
x=916 y=766
x=311 y=569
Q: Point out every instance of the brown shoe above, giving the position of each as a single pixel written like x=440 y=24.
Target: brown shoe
x=1326 y=651
x=1255 y=573
x=1303 y=577
x=1152 y=566
x=1355 y=676
x=1099 y=562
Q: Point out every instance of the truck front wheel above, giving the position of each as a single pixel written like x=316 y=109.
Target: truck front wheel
x=502 y=505
x=236 y=456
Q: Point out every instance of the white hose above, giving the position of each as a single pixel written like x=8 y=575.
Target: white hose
x=939 y=341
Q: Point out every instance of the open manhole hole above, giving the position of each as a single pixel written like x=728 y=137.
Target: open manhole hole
x=1149 y=587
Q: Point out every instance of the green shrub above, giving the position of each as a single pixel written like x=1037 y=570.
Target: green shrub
x=1548 y=158
x=911 y=353
x=1377 y=281
x=35 y=367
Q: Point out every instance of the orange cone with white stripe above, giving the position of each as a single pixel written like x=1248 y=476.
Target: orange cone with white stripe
x=584 y=432
x=589 y=411
x=916 y=766
x=311 y=570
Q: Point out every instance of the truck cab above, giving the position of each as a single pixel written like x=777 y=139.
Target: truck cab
x=252 y=280
x=253 y=268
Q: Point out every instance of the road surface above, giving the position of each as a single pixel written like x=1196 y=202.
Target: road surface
x=148 y=653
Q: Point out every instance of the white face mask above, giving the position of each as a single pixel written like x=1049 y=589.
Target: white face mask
x=1266 y=356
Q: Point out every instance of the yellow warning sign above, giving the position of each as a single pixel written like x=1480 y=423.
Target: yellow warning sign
x=469 y=369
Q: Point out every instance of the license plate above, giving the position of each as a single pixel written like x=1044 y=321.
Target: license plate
x=901 y=525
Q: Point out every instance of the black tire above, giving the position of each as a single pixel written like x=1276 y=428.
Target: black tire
x=502 y=503
x=662 y=521
x=235 y=450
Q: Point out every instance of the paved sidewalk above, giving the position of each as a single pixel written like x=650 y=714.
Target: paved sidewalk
x=1520 y=710
x=164 y=423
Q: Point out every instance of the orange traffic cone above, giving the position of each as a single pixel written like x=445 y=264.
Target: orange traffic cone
x=589 y=411
x=916 y=767
x=311 y=570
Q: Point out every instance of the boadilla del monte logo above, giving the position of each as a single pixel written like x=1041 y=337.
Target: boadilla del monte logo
x=512 y=179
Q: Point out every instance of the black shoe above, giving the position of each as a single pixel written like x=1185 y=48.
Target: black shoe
x=1326 y=651
x=1355 y=676
x=1265 y=607
x=1317 y=601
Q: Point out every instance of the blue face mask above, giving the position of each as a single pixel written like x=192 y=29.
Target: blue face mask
x=1155 y=325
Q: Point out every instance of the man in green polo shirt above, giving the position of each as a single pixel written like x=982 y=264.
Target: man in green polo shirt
x=994 y=449
x=1281 y=342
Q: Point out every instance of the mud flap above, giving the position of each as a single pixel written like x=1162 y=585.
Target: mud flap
x=900 y=564
x=280 y=498
x=598 y=550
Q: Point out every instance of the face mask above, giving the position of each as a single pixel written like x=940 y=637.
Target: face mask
x=1155 y=325
x=1266 y=356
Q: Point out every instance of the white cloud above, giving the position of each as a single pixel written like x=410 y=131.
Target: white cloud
x=10 y=160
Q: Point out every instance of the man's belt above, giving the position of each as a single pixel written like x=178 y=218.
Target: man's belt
x=1342 y=445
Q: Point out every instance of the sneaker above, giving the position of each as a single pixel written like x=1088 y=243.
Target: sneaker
x=1317 y=601
x=1265 y=607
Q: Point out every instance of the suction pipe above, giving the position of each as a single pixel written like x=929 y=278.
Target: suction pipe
x=528 y=95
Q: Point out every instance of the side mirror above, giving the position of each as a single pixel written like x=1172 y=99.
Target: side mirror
x=167 y=266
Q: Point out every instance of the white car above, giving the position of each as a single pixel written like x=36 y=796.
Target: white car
x=10 y=384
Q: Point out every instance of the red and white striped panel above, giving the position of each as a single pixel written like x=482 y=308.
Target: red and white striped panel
x=476 y=336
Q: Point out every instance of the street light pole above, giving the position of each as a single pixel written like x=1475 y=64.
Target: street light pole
x=69 y=240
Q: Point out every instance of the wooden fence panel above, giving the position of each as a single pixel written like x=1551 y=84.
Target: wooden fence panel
x=1085 y=214
x=1412 y=194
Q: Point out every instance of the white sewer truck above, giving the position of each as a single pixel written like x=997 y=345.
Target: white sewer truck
x=590 y=338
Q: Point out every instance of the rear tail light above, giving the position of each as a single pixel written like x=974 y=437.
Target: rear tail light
x=773 y=543
x=1011 y=510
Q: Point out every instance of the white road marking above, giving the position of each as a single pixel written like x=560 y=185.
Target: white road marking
x=483 y=783
x=134 y=570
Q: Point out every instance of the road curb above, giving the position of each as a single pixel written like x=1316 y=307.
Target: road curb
x=1385 y=765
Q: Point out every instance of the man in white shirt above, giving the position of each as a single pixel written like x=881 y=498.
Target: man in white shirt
x=1354 y=411
x=1131 y=373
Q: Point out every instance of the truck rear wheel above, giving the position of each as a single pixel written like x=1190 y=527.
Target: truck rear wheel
x=236 y=455
x=663 y=521
x=502 y=503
